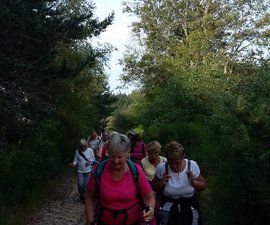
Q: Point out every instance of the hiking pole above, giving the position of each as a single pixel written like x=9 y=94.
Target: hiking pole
x=68 y=181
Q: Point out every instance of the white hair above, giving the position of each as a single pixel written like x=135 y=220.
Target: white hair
x=83 y=142
x=119 y=142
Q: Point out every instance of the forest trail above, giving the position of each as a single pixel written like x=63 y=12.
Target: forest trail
x=64 y=208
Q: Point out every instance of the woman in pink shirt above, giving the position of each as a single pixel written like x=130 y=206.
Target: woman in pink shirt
x=121 y=200
x=138 y=149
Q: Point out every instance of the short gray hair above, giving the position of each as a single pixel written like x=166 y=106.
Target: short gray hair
x=119 y=142
x=83 y=144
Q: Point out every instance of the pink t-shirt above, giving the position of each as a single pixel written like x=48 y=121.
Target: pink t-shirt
x=139 y=151
x=118 y=195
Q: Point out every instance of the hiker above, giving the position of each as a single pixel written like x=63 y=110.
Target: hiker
x=83 y=159
x=102 y=153
x=180 y=178
x=138 y=149
x=149 y=165
x=93 y=142
x=119 y=189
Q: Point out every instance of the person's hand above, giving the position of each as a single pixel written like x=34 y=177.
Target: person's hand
x=148 y=214
x=190 y=178
x=87 y=163
x=164 y=180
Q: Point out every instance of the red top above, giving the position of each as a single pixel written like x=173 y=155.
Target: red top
x=118 y=195
x=139 y=151
x=103 y=151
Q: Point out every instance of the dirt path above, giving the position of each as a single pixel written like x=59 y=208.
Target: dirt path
x=64 y=208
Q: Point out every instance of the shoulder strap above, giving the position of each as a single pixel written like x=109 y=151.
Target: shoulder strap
x=131 y=147
x=103 y=152
x=166 y=168
x=135 y=176
x=97 y=145
x=82 y=155
x=143 y=149
x=100 y=169
x=189 y=165
x=133 y=170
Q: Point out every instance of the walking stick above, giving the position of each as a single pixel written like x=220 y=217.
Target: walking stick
x=68 y=180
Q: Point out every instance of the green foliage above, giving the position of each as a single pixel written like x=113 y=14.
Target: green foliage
x=125 y=117
x=203 y=70
x=53 y=90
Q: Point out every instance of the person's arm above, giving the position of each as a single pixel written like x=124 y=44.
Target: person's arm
x=149 y=202
x=75 y=161
x=195 y=178
x=199 y=183
x=147 y=196
x=90 y=208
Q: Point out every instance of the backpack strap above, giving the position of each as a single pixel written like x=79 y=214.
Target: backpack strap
x=189 y=163
x=97 y=144
x=143 y=149
x=99 y=170
x=82 y=155
x=135 y=177
x=134 y=171
x=131 y=147
x=103 y=153
x=166 y=168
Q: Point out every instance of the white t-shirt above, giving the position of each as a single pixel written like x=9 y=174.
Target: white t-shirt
x=94 y=144
x=178 y=185
x=81 y=162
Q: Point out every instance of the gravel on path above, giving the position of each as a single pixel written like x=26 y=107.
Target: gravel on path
x=64 y=208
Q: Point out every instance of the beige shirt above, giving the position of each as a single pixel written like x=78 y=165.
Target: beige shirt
x=149 y=169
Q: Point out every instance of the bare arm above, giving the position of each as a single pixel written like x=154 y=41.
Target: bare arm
x=198 y=183
x=149 y=200
x=90 y=199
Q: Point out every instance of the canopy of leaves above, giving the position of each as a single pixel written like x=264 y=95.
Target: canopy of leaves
x=53 y=89
x=203 y=68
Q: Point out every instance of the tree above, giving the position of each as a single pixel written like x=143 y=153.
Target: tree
x=196 y=33
x=203 y=66
x=52 y=80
